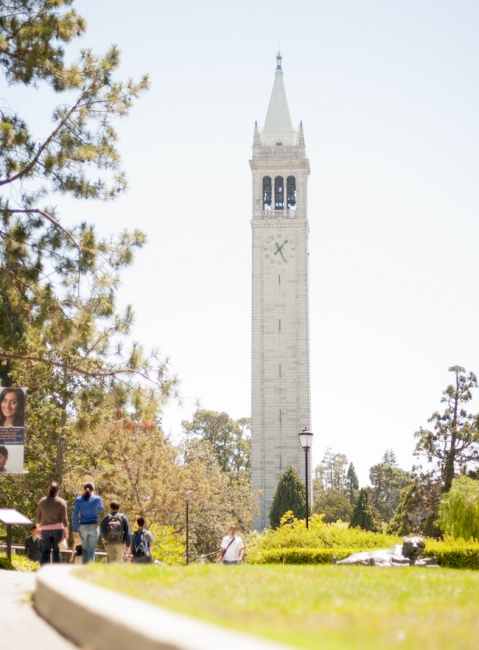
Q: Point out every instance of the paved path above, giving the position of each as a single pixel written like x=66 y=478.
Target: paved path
x=20 y=626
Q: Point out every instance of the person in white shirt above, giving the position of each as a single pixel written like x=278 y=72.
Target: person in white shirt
x=232 y=548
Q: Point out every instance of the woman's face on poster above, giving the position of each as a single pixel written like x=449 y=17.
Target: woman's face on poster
x=9 y=405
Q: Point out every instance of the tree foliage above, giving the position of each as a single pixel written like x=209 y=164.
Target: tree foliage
x=61 y=334
x=331 y=473
x=417 y=509
x=365 y=515
x=352 y=484
x=230 y=439
x=453 y=441
x=334 y=505
x=459 y=509
x=387 y=481
x=290 y=495
x=46 y=269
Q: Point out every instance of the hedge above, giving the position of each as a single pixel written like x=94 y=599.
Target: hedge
x=448 y=555
x=299 y=555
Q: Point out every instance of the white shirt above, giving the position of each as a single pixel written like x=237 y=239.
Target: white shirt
x=233 y=552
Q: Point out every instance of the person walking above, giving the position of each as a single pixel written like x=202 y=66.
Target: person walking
x=115 y=533
x=85 y=520
x=53 y=522
x=232 y=548
x=33 y=546
x=141 y=543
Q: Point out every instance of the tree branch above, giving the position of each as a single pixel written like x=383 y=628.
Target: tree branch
x=49 y=218
x=77 y=369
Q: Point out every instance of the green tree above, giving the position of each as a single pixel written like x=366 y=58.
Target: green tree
x=330 y=474
x=453 y=442
x=459 y=509
x=60 y=332
x=334 y=505
x=387 y=481
x=215 y=501
x=44 y=266
x=365 y=515
x=290 y=495
x=352 y=484
x=417 y=509
x=230 y=439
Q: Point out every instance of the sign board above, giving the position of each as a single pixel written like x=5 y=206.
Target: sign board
x=13 y=517
x=12 y=429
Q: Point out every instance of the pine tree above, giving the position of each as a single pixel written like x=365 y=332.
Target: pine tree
x=352 y=483
x=290 y=495
x=364 y=514
x=453 y=442
x=45 y=267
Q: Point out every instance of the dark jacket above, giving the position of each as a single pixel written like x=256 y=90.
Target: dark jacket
x=33 y=548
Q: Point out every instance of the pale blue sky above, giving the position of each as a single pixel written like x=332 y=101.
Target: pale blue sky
x=389 y=99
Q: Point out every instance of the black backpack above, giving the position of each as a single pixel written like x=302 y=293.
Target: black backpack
x=114 y=529
x=139 y=547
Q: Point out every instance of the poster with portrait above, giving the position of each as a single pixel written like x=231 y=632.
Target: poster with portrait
x=12 y=429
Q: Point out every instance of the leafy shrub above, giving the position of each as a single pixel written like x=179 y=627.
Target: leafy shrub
x=459 y=509
x=168 y=547
x=18 y=563
x=291 y=543
x=292 y=533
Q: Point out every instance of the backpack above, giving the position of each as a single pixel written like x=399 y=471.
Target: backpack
x=114 y=530
x=139 y=547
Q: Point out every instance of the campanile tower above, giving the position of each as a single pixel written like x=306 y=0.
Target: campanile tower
x=280 y=328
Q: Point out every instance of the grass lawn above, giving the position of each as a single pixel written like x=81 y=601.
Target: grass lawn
x=326 y=607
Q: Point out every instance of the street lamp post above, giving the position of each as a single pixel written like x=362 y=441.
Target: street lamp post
x=306 y=440
x=188 y=493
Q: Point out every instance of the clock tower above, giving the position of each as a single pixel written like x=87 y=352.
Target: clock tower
x=280 y=312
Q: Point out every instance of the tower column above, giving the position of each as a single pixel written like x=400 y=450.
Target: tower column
x=280 y=310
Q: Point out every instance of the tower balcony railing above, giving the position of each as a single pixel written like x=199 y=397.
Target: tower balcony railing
x=279 y=214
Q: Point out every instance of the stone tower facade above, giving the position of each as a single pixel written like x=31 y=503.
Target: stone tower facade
x=280 y=316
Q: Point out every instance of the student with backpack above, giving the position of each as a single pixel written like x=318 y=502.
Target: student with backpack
x=115 y=533
x=141 y=543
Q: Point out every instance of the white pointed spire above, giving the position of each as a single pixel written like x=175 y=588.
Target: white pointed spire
x=278 y=127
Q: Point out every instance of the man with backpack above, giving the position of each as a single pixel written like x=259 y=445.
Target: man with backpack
x=141 y=543
x=116 y=534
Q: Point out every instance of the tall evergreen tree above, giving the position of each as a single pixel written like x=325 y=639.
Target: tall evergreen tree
x=290 y=495
x=45 y=267
x=352 y=484
x=364 y=514
x=453 y=442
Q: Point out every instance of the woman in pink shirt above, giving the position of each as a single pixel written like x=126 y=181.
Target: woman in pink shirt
x=52 y=521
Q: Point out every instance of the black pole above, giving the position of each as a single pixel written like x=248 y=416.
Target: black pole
x=187 y=545
x=9 y=542
x=306 y=451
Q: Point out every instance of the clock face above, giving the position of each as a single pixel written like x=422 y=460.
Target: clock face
x=279 y=249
